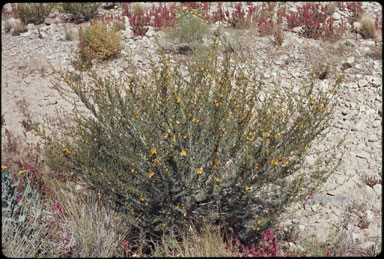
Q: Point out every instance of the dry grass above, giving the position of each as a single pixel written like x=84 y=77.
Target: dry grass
x=368 y=27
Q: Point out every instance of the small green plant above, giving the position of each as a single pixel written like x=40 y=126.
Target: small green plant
x=80 y=12
x=170 y=149
x=24 y=219
x=97 y=42
x=118 y=26
x=190 y=28
x=34 y=12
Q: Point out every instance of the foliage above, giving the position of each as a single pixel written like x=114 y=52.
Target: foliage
x=162 y=16
x=368 y=28
x=139 y=24
x=190 y=28
x=170 y=150
x=24 y=216
x=97 y=42
x=312 y=17
x=80 y=11
x=34 y=12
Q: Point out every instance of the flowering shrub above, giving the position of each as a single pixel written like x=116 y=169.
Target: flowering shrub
x=316 y=24
x=163 y=16
x=169 y=150
x=97 y=42
x=139 y=23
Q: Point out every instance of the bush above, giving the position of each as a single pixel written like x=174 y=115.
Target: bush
x=139 y=24
x=97 y=42
x=80 y=11
x=24 y=219
x=368 y=28
x=190 y=28
x=34 y=12
x=170 y=149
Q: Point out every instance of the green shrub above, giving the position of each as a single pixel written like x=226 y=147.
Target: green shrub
x=34 y=12
x=190 y=28
x=80 y=11
x=97 y=42
x=215 y=145
x=24 y=217
x=118 y=26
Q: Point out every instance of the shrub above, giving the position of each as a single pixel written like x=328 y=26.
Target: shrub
x=190 y=28
x=97 y=42
x=118 y=26
x=368 y=28
x=139 y=24
x=80 y=11
x=25 y=222
x=163 y=16
x=33 y=12
x=170 y=149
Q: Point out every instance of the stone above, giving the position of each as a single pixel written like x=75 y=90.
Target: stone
x=356 y=26
x=298 y=29
x=49 y=21
x=377 y=189
x=356 y=237
x=362 y=82
x=367 y=245
x=350 y=60
x=370 y=215
x=336 y=16
x=359 y=126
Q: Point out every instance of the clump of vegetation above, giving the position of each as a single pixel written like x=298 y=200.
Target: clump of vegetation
x=190 y=28
x=368 y=28
x=80 y=12
x=170 y=149
x=99 y=43
x=34 y=12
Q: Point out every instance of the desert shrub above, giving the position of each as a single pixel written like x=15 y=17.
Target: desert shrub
x=368 y=28
x=171 y=149
x=190 y=28
x=97 y=42
x=80 y=11
x=118 y=26
x=139 y=24
x=25 y=216
x=34 y=12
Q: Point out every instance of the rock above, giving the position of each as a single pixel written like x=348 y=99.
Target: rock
x=367 y=245
x=356 y=26
x=362 y=82
x=298 y=30
x=377 y=189
x=360 y=126
x=370 y=216
x=350 y=60
x=49 y=21
x=336 y=16
x=356 y=237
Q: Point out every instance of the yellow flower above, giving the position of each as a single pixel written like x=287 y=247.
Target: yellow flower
x=99 y=194
x=166 y=63
x=202 y=68
x=192 y=100
x=259 y=221
x=102 y=91
x=153 y=151
x=23 y=171
x=125 y=119
x=3 y=166
x=151 y=174
x=132 y=170
x=178 y=205
x=217 y=162
x=178 y=99
x=199 y=170
x=209 y=58
x=218 y=179
x=165 y=135
x=142 y=199
x=246 y=187
x=185 y=214
x=65 y=150
x=183 y=153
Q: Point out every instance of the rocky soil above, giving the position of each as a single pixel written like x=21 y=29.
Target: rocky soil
x=350 y=204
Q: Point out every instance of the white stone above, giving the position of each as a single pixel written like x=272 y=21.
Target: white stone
x=298 y=29
x=356 y=237
x=362 y=82
x=336 y=16
x=377 y=189
x=351 y=60
x=356 y=26
x=370 y=216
